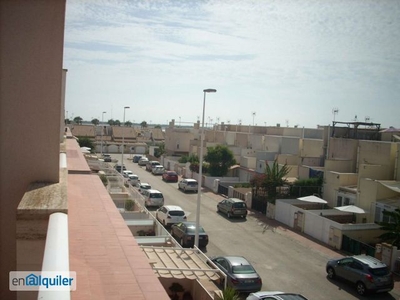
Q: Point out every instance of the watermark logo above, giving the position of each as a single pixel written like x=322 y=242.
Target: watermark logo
x=44 y=281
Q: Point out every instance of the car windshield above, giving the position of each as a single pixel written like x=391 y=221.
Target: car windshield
x=145 y=187
x=192 y=183
x=242 y=269
x=379 y=271
x=156 y=195
x=192 y=229
x=176 y=213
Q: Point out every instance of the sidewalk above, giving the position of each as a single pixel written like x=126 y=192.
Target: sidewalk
x=302 y=238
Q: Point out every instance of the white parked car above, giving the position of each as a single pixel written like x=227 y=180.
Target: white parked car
x=126 y=173
x=170 y=214
x=133 y=179
x=143 y=186
x=143 y=161
x=188 y=185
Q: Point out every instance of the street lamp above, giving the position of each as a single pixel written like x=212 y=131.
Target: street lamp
x=122 y=156
x=102 y=129
x=196 y=238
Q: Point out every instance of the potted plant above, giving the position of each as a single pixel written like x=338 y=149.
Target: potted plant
x=176 y=288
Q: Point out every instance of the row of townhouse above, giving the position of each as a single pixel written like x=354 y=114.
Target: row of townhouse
x=359 y=162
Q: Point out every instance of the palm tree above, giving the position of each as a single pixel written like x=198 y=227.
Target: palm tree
x=392 y=228
x=228 y=293
x=274 y=177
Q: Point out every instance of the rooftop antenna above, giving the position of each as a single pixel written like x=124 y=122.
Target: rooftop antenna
x=254 y=114
x=355 y=118
x=335 y=111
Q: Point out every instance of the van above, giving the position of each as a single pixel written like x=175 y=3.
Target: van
x=136 y=158
x=153 y=198
x=233 y=207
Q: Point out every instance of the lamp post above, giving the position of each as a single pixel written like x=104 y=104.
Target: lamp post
x=122 y=155
x=102 y=129
x=196 y=238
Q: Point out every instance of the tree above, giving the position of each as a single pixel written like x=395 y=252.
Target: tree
x=157 y=126
x=160 y=150
x=117 y=123
x=111 y=122
x=192 y=158
x=228 y=293
x=143 y=124
x=84 y=141
x=95 y=122
x=78 y=120
x=220 y=159
x=264 y=185
x=128 y=123
x=392 y=228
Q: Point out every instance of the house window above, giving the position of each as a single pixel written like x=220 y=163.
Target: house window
x=346 y=201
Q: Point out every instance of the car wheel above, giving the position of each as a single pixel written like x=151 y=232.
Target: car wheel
x=361 y=290
x=182 y=243
x=331 y=273
x=184 y=190
x=218 y=210
x=229 y=215
x=163 y=222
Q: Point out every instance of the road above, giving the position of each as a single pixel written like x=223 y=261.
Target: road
x=283 y=262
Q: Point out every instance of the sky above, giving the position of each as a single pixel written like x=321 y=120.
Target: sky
x=290 y=62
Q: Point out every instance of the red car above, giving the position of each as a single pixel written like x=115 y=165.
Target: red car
x=170 y=176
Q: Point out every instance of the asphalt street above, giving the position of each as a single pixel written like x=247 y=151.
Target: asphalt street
x=286 y=260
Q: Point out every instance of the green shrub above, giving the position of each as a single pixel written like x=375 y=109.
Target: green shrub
x=103 y=178
x=129 y=205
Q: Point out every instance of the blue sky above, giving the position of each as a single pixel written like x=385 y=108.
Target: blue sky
x=288 y=61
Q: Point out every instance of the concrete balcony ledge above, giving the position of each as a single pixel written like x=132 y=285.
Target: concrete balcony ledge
x=38 y=203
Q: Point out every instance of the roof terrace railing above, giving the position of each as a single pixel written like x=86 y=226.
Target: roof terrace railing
x=56 y=254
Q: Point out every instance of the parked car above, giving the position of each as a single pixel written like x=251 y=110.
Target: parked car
x=118 y=168
x=151 y=164
x=366 y=272
x=142 y=186
x=126 y=173
x=136 y=158
x=170 y=176
x=107 y=157
x=133 y=179
x=158 y=170
x=188 y=185
x=232 y=207
x=153 y=198
x=275 y=295
x=143 y=161
x=170 y=214
x=240 y=273
x=184 y=233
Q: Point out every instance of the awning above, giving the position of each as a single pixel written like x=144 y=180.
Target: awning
x=393 y=185
x=351 y=209
x=180 y=263
x=313 y=199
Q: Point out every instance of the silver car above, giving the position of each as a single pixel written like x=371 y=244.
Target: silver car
x=188 y=185
x=367 y=273
x=240 y=273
